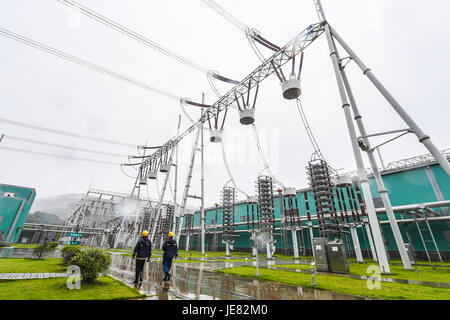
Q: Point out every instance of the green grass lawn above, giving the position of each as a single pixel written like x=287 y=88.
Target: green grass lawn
x=433 y=274
x=26 y=265
x=389 y=291
x=105 y=288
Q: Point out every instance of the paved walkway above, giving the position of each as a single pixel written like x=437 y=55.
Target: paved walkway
x=21 y=276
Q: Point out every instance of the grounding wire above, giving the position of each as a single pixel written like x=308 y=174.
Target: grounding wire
x=63 y=146
x=65 y=133
x=230 y=175
x=84 y=63
x=132 y=34
x=58 y=156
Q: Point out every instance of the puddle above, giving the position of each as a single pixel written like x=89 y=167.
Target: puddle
x=392 y=280
x=196 y=281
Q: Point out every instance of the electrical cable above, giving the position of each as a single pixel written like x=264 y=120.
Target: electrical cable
x=63 y=146
x=230 y=175
x=317 y=152
x=309 y=132
x=58 y=156
x=65 y=133
x=144 y=40
x=226 y=15
x=123 y=171
x=84 y=63
x=263 y=158
x=132 y=34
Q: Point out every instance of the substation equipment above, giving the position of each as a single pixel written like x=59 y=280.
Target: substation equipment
x=327 y=190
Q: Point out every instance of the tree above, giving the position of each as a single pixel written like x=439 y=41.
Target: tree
x=44 y=249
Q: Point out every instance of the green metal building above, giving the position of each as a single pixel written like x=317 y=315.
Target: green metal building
x=15 y=204
x=409 y=181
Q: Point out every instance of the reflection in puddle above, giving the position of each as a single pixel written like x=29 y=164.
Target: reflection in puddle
x=195 y=281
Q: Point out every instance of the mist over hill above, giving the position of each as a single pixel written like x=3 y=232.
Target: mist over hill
x=59 y=205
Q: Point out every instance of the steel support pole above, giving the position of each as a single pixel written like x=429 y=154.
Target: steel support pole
x=202 y=212
x=161 y=199
x=187 y=186
x=381 y=251
x=295 y=243
x=423 y=138
x=434 y=241
x=269 y=250
x=369 y=236
x=376 y=172
x=254 y=249
x=176 y=178
x=227 y=248
x=381 y=159
x=187 y=241
x=311 y=236
x=356 y=245
x=423 y=241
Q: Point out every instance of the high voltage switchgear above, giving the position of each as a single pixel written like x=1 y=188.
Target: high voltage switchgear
x=322 y=186
x=266 y=209
x=168 y=221
x=228 y=207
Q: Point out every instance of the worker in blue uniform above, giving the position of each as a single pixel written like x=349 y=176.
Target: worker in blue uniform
x=142 y=252
x=170 y=249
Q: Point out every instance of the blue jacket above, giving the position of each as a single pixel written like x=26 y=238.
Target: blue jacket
x=143 y=248
x=170 y=249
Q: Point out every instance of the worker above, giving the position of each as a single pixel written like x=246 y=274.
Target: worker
x=170 y=249
x=142 y=252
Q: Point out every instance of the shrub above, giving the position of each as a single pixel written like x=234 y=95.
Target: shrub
x=69 y=252
x=92 y=262
x=43 y=250
x=53 y=245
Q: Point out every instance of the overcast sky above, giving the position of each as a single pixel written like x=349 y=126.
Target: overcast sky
x=405 y=42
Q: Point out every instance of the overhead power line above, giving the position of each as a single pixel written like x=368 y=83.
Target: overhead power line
x=63 y=146
x=65 y=133
x=84 y=63
x=226 y=14
x=58 y=156
x=132 y=34
x=144 y=40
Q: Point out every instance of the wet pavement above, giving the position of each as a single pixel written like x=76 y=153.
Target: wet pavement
x=198 y=281
x=11 y=252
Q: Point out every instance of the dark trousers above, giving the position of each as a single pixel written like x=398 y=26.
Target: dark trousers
x=139 y=268
x=167 y=264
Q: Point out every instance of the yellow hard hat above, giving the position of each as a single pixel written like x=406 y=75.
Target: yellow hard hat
x=144 y=233
x=171 y=234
